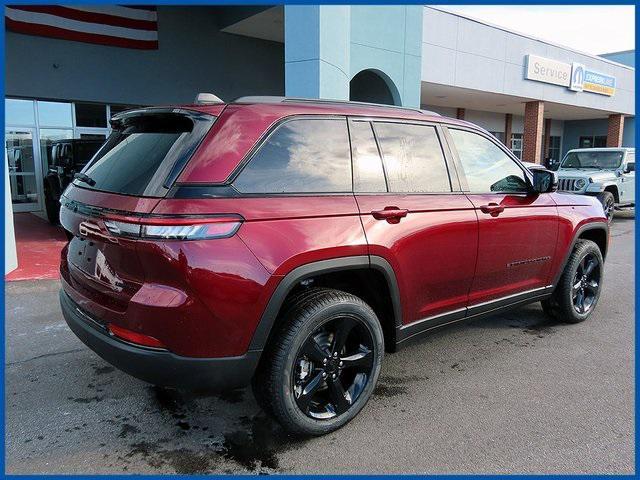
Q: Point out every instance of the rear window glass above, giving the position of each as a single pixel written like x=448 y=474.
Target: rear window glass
x=145 y=153
x=413 y=158
x=301 y=156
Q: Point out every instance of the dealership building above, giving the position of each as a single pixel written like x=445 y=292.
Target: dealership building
x=68 y=69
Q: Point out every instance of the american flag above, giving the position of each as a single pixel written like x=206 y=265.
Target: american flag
x=114 y=25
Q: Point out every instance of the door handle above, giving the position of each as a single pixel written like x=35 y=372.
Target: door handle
x=390 y=214
x=492 y=209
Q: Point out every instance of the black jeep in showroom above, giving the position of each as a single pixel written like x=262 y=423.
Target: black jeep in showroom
x=67 y=158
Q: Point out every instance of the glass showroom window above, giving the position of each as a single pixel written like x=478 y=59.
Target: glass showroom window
x=92 y=121
x=516 y=144
x=597 y=141
x=19 y=112
x=55 y=122
x=22 y=154
x=54 y=114
x=554 y=148
x=47 y=137
x=498 y=135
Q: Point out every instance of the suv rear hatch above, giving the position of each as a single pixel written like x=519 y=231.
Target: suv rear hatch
x=117 y=189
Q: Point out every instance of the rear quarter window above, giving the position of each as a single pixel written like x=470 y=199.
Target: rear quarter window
x=300 y=156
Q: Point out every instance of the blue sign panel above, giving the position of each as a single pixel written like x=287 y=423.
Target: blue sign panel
x=599 y=83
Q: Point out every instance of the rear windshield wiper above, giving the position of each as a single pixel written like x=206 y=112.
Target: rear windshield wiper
x=83 y=177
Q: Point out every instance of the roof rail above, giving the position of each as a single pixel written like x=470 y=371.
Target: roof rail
x=276 y=99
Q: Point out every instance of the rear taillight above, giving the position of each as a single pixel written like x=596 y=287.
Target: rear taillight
x=175 y=228
x=134 y=337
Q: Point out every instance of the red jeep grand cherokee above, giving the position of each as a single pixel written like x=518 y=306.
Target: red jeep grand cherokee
x=288 y=243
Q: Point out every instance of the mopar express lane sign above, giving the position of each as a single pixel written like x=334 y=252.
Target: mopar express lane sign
x=574 y=76
x=599 y=83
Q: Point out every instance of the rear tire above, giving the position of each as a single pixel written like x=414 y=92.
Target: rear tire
x=52 y=207
x=578 y=290
x=608 y=202
x=322 y=364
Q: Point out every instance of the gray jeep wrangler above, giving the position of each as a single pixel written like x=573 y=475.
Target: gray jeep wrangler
x=606 y=173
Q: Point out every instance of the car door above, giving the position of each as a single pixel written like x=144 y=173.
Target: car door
x=415 y=217
x=517 y=229
x=628 y=179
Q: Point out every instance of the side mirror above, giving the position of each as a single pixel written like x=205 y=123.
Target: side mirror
x=544 y=181
x=631 y=167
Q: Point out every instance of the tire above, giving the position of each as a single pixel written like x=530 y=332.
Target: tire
x=311 y=322
x=52 y=207
x=259 y=388
x=564 y=305
x=608 y=202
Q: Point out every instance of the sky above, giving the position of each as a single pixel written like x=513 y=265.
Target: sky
x=593 y=29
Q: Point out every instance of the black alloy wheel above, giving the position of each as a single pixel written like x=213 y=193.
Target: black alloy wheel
x=578 y=290
x=322 y=364
x=333 y=367
x=586 y=284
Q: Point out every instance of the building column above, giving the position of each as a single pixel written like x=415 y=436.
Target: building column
x=508 y=123
x=460 y=113
x=615 y=130
x=532 y=137
x=316 y=51
x=10 y=253
x=547 y=139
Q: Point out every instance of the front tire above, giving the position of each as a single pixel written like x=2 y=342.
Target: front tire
x=578 y=290
x=322 y=364
x=608 y=202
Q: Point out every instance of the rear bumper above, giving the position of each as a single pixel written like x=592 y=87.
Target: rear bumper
x=160 y=367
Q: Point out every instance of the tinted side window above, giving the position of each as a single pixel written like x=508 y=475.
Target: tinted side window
x=368 y=175
x=413 y=158
x=301 y=156
x=487 y=167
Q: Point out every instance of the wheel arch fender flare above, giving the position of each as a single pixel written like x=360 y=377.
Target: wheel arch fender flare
x=308 y=270
x=589 y=227
x=613 y=188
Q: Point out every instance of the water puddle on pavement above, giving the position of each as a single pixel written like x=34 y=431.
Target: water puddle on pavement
x=252 y=446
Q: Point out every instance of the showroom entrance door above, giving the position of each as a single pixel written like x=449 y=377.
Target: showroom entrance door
x=25 y=169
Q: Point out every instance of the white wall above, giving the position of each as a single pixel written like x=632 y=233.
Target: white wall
x=444 y=111
x=10 y=254
x=492 y=122
x=465 y=53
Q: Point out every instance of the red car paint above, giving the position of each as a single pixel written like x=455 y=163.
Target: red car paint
x=205 y=298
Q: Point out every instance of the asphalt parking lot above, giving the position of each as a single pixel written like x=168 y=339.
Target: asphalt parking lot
x=514 y=393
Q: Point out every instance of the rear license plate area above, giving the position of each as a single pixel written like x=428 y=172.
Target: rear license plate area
x=82 y=254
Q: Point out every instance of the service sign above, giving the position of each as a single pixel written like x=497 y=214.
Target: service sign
x=546 y=70
x=599 y=83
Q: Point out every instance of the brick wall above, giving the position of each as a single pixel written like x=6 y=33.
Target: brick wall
x=615 y=130
x=532 y=137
